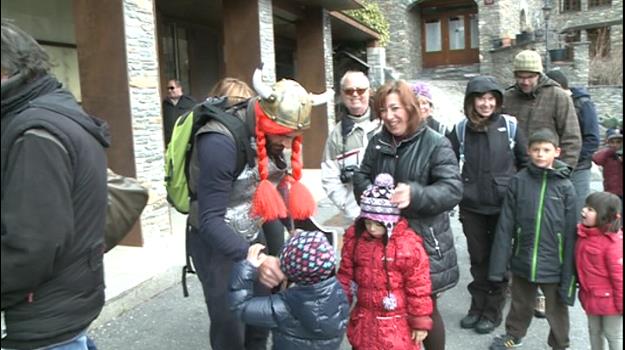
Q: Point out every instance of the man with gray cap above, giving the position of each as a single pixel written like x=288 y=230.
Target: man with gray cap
x=538 y=102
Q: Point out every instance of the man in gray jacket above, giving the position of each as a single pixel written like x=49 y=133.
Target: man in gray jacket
x=345 y=147
x=539 y=102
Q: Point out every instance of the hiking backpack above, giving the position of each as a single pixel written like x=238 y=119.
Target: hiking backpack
x=180 y=147
x=511 y=126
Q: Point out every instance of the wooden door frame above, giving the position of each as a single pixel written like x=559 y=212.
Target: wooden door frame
x=446 y=56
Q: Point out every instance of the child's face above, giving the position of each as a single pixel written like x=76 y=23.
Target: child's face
x=615 y=143
x=543 y=154
x=589 y=217
x=375 y=228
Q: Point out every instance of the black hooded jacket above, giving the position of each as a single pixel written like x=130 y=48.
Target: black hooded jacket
x=489 y=162
x=536 y=231
x=54 y=199
x=307 y=317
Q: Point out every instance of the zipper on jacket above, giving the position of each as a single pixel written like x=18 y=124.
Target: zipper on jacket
x=539 y=219
x=560 y=250
x=518 y=241
x=571 y=292
x=436 y=246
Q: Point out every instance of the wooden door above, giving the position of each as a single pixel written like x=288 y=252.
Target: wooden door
x=449 y=35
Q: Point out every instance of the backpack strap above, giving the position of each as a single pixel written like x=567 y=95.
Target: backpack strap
x=511 y=127
x=461 y=127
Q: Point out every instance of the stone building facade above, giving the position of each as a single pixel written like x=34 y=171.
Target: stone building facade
x=503 y=27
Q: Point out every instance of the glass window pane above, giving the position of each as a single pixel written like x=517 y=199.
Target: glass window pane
x=65 y=67
x=456 y=33
x=475 y=40
x=433 y=36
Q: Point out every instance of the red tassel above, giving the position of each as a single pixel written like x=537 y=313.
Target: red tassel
x=267 y=202
x=301 y=202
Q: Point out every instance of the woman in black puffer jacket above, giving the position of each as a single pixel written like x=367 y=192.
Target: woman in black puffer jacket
x=428 y=184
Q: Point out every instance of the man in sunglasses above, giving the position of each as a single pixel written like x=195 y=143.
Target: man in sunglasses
x=174 y=106
x=345 y=147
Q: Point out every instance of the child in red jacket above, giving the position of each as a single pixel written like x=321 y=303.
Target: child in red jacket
x=610 y=158
x=599 y=259
x=385 y=265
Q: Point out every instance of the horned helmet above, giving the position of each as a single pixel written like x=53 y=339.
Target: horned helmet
x=282 y=109
x=287 y=102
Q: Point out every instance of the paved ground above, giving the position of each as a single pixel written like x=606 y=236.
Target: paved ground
x=169 y=321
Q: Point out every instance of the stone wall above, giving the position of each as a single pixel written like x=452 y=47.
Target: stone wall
x=402 y=50
x=145 y=107
x=608 y=100
x=376 y=58
x=328 y=63
x=267 y=50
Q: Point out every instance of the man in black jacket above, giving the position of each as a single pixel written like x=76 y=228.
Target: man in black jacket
x=175 y=105
x=54 y=199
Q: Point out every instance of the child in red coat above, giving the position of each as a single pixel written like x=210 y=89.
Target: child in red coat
x=385 y=265
x=610 y=158
x=599 y=259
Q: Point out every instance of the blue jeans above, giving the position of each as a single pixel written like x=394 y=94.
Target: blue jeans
x=79 y=342
x=581 y=182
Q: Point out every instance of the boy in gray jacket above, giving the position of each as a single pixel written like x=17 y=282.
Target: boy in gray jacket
x=535 y=235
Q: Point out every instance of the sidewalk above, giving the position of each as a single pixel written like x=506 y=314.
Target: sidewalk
x=136 y=274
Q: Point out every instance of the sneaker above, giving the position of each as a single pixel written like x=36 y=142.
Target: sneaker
x=506 y=341
x=539 y=309
x=469 y=321
x=485 y=326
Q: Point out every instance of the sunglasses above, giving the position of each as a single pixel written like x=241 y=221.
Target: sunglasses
x=171 y=87
x=359 y=91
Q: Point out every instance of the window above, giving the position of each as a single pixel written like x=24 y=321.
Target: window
x=571 y=5
x=456 y=33
x=175 y=53
x=569 y=38
x=599 y=41
x=433 y=36
x=598 y=3
x=474 y=26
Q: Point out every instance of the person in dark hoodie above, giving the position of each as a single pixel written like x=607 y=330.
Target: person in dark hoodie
x=312 y=313
x=490 y=159
x=589 y=127
x=535 y=236
x=54 y=199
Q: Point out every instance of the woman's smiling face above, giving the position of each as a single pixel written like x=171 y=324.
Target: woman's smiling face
x=394 y=115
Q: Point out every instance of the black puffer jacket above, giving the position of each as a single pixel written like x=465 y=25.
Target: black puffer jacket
x=301 y=317
x=427 y=163
x=536 y=230
x=54 y=199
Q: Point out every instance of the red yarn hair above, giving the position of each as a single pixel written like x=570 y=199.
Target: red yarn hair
x=267 y=202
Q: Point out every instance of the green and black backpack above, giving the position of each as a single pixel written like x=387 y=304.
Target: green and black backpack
x=180 y=147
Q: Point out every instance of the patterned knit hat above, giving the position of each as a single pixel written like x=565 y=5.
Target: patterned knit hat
x=613 y=133
x=528 y=61
x=375 y=202
x=307 y=257
x=422 y=89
